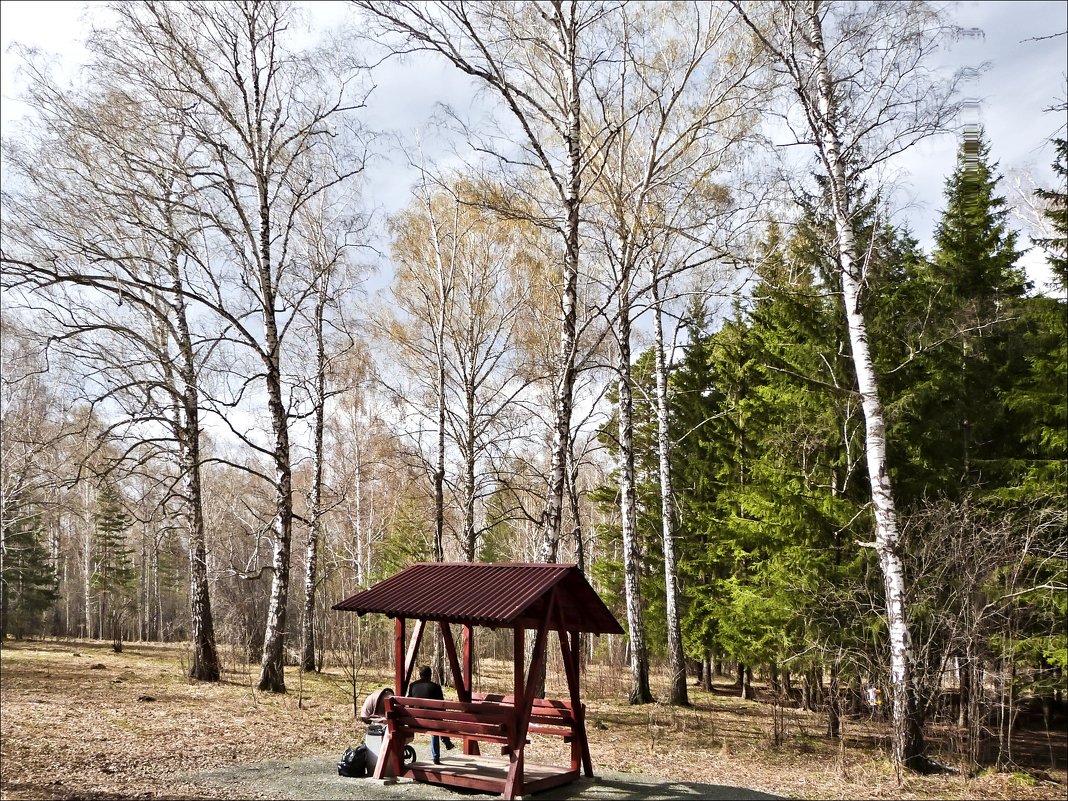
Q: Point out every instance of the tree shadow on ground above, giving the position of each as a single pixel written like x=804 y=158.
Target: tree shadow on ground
x=620 y=787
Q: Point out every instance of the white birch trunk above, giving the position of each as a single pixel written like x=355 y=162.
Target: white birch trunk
x=573 y=505
x=272 y=664
x=639 y=659
x=908 y=740
x=676 y=656
x=311 y=549
x=358 y=534
x=439 y=455
x=565 y=387
x=205 y=662
x=439 y=390
x=469 y=472
x=87 y=559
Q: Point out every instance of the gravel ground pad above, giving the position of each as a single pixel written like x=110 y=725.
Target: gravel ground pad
x=316 y=779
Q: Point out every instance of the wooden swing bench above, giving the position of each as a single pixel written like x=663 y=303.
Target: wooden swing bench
x=487 y=718
x=485 y=722
x=542 y=597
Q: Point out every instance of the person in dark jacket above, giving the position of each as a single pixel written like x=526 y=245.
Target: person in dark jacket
x=426 y=688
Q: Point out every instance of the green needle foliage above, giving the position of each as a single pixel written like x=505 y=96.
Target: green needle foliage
x=1056 y=246
x=769 y=462
x=27 y=575
x=114 y=577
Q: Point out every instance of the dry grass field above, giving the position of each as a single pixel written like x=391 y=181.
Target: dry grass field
x=80 y=721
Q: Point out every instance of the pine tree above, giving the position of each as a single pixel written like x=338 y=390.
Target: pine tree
x=960 y=432
x=1057 y=213
x=1040 y=396
x=28 y=585
x=113 y=572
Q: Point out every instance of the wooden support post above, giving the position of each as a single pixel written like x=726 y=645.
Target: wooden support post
x=389 y=758
x=580 y=747
x=522 y=708
x=462 y=692
x=537 y=664
x=470 y=745
x=409 y=658
x=398 y=655
x=519 y=656
x=469 y=659
x=513 y=786
x=383 y=757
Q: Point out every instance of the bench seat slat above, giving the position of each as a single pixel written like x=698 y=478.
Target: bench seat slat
x=552 y=720
x=487 y=717
x=542 y=707
x=540 y=703
x=449 y=728
x=549 y=731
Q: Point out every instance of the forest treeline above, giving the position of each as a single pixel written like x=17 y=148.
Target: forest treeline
x=776 y=434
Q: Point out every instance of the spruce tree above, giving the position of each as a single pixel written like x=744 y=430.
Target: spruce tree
x=113 y=572
x=1056 y=212
x=28 y=585
x=1040 y=396
x=961 y=433
x=700 y=456
x=770 y=451
x=975 y=249
x=1040 y=399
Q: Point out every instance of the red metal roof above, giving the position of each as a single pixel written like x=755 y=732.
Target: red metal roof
x=488 y=594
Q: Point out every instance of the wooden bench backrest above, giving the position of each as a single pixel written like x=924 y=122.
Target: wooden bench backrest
x=487 y=716
x=484 y=721
x=545 y=713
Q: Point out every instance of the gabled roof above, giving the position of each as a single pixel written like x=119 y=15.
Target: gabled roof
x=504 y=594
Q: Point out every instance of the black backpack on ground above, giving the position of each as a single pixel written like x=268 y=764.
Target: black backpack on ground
x=353 y=763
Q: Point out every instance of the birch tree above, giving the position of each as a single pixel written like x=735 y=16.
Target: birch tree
x=491 y=287
x=326 y=227
x=358 y=445
x=267 y=119
x=127 y=326
x=535 y=58
x=864 y=92
x=31 y=422
x=426 y=242
x=461 y=278
x=682 y=100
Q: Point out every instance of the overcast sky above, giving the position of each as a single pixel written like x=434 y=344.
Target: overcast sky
x=1024 y=78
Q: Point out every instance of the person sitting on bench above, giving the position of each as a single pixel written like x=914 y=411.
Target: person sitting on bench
x=426 y=688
